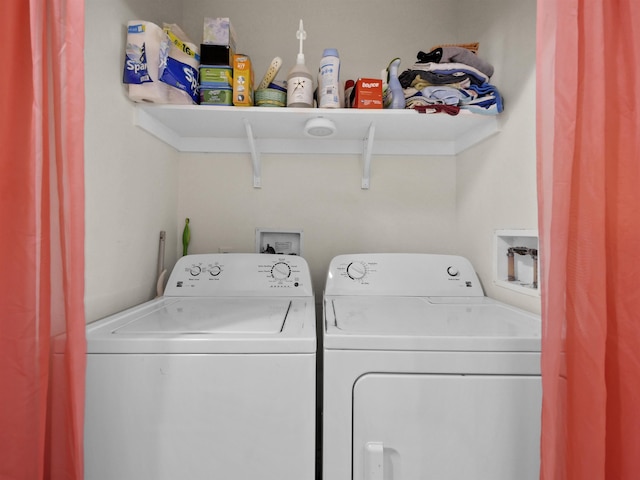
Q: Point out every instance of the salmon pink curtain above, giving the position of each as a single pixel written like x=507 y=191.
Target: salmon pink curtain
x=41 y=239
x=588 y=138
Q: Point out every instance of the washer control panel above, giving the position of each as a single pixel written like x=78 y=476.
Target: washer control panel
x=196 y=269
x=240 y=274
x=357 y=270
x=402 y=274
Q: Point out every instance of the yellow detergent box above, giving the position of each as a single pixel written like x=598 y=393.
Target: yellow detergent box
x=242 y=81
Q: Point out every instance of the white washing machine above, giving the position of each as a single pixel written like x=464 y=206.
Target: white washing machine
x=216 y=379
x=424 y=376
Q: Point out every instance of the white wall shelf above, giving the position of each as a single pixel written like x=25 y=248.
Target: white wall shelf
x=262 y=130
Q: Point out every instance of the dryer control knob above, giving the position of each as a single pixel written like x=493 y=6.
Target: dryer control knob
x=453 y=271
x=280 y=271
x=356 y=270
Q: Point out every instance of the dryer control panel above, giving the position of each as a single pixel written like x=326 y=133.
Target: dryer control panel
x=404 y=274
x=240 y=274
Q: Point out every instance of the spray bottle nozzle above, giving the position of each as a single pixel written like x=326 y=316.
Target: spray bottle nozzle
x=302 y=36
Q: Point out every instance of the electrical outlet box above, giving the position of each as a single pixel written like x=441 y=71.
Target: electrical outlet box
x=282 y=242
x=516 y=261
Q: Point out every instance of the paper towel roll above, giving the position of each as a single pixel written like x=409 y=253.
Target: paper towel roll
x=182 y=52
x=146 y=38
x=177 y=96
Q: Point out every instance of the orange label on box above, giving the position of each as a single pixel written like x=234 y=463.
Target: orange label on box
x=242 y=81
x=368 y=93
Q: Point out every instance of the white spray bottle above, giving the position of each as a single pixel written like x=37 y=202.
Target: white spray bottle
x=329 y=80
x=299 y=80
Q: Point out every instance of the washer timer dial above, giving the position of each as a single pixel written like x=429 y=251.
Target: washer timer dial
x=281 y=271
x=356 y=270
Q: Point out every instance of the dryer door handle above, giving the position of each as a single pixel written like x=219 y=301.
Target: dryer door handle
x=374 y=461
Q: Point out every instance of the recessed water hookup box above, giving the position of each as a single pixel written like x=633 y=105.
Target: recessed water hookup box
x=516 y=260
x=283 y=242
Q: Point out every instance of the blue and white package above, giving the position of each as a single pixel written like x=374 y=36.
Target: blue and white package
x=179 y=64
x=136 y=68
x=181 y=76
x=145 y=41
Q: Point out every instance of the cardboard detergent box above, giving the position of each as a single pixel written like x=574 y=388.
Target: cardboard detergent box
x=368 y=93
x=242 y=81
x=216 y=55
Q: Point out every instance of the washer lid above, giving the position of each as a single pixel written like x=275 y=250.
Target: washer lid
x=429 y=323
x=206 y=315
x=208 y=325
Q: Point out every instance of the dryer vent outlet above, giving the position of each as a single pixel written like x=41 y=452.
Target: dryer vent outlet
x=281 y=242
x=516 y=260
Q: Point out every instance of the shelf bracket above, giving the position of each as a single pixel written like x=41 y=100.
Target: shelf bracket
x=255 y=156
x=366 y=156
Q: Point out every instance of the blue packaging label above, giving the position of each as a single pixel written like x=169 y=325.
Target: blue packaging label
x=180 y=75
x=135 y=64
x=139 y=28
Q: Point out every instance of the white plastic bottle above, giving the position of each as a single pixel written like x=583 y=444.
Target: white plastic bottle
x=329 y=79
x=299 y=80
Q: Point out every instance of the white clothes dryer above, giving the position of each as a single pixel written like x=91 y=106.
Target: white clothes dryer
x=424 y=376
x=215 y=379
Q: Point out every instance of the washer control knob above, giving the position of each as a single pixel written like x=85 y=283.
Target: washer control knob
x=215 y=271
x=356 y=270
x=195 y=270
x=280 y=271
x=453 y=271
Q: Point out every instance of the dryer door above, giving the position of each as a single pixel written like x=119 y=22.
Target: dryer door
x=480 y=427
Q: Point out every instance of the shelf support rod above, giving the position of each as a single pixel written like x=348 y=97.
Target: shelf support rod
x=366 y=156
x=255 y=156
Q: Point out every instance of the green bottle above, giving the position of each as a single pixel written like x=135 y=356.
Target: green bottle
x=186 y=237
